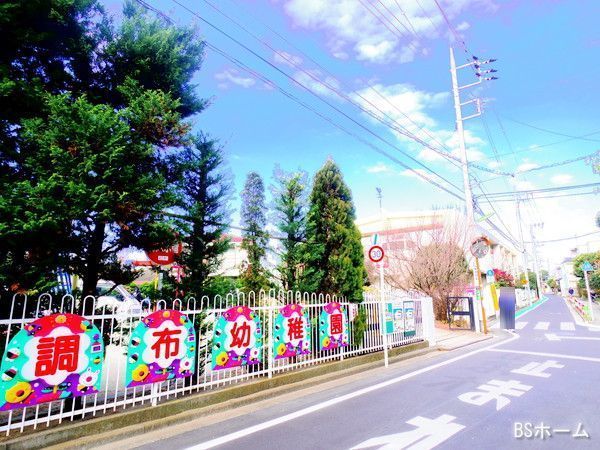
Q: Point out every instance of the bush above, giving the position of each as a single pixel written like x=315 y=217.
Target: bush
x=503 y=279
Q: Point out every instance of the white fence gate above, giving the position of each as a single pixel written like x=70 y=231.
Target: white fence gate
x=118 y=325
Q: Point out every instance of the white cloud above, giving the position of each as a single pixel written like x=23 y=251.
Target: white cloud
x=527 y=166
x=286 y=58
x=233 y=76
x=380 y=168
x=351 y=27
x=521 y=185
x=327 y=86
x=402 y=102
x=562 y=179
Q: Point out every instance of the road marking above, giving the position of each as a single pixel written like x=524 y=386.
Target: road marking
x=542 y=326
x=521 y=325
x=555 y=337
x=334 y=401
x=495 y=390
x=535 y=369
x=567 y=326
x=551 y=355
x=435 y=431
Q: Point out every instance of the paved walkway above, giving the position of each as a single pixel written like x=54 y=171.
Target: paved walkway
x=452 y=339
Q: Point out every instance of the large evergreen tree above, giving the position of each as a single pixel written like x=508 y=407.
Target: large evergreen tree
x=206 y=191
x=255 y=239
x=289 y=214
x=87 y=152
x=333 y=255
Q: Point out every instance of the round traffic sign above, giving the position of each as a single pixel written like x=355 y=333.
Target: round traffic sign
x=376 y=253
x=480 y=247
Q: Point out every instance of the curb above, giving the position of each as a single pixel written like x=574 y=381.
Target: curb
x=535 y=305
x=87 y=433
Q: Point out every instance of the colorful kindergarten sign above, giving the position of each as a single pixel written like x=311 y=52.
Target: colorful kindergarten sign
x=333 y=327
x=238 y=339
x=162 y=347
x=292 y=332
x=54 y=357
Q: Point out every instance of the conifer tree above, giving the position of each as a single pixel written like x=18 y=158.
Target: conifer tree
x=206 y=191
x=289 y=214
x=333 y=254
x=255 y=239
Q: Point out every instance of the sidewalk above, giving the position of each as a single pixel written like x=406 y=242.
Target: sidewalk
x=447 y=339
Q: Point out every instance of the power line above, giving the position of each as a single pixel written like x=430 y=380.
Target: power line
x=560 y=163
x=380 y=19
x=238 y=63
x=577 y=194
x=556 y=133
x=308 y=89
x=399 y=128
x=395 y=17
x=533 y=191
x=533 y=148
x=565 y=239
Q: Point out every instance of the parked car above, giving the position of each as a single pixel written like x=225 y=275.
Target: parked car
x=119 y=301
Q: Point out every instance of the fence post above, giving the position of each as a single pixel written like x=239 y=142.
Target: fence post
x=382 y=316
x=270 y=343
x=154 y=394
x=428 y=319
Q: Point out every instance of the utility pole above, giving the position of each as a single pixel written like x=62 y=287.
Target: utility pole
x=382 y=302
x=524 y=253
x=469 y=206
x=536 y=265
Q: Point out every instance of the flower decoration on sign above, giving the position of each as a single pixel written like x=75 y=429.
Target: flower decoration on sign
x=54 y=357
x=333 y=326
x=162 y=347
x=237 y=339
x=291 y=336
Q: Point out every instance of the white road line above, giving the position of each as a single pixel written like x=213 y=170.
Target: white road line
x=334 y=401
x=567 y=326
x=551 y=355
x=541 y=326
x=521 y=325
x=556 y=337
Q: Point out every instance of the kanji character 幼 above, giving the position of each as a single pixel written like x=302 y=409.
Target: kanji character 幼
x=240 y=334
x=57 y=353
x=166 y=343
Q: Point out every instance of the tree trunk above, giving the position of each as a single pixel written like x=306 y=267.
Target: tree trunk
x=90 y=280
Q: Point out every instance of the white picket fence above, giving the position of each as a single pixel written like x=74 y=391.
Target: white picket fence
x=115 y=396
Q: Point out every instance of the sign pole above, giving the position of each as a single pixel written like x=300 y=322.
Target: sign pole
x=383 y=320
x=376 y=255
x=589 y=295
x=484 y=318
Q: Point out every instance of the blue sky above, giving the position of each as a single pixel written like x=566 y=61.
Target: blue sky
x=547 y=51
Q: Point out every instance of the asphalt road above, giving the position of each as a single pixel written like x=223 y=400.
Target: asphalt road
x=545 y=375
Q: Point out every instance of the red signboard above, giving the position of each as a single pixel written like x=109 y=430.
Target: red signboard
x=165 y=257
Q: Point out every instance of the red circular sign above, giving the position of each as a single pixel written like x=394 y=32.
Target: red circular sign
x=376 y=253
x=165 y=257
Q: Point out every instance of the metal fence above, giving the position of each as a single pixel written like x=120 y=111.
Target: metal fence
x=116 y=326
